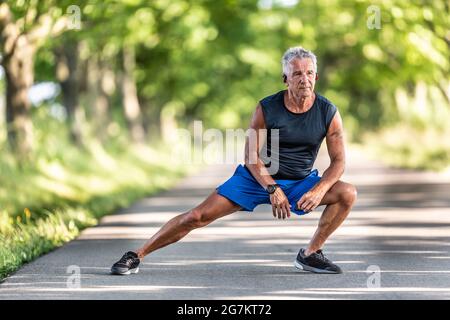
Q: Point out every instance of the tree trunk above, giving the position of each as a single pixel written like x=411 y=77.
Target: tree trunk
x=19 y=75
x=67 y=75
x=99 y=92
x=129 y=96
x=18 y=45
x=146 y=109
x=106 y=87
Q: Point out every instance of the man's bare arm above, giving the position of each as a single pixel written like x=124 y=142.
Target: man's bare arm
x=336 y=151
x=252 y=159
x=280 y=203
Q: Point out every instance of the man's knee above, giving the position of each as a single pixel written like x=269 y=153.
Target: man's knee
x=348 y=194
x=195 y=218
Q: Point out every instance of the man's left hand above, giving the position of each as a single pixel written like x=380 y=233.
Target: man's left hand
x=310 y=200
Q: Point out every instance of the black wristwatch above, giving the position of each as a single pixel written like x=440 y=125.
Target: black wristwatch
x=271 y=188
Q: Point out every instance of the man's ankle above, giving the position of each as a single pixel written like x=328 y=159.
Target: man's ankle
x=307 y=252
x=140 y=254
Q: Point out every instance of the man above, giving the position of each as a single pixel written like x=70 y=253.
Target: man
x=303 y=119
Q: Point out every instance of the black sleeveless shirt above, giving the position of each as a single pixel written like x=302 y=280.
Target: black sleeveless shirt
x=300 y=135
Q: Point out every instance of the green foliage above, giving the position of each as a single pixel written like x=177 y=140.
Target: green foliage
x=47 y=203
x=213 y=61
x=404 y=147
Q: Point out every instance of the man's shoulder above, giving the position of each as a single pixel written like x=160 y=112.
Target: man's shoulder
x=323 y=100
x=325 y=105
x=272 y=98
x=326 y=109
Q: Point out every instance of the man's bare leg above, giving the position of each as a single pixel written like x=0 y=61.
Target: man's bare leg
x=212 y=208
x=339 y=200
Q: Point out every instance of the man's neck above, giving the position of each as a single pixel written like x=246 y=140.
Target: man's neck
x=301 y=103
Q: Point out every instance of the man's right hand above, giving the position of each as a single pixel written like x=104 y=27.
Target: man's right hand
x=280 y=204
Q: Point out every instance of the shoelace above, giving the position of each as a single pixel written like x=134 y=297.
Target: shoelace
x=125 y=258
x=321 y=256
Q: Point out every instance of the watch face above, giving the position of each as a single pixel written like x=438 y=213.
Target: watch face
x=271 y=188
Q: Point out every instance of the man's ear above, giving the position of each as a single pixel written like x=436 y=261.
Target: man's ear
x=284 y=78
x=317 y=76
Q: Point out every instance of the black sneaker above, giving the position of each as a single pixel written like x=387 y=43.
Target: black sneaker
x=315 y=262
x=129 y=263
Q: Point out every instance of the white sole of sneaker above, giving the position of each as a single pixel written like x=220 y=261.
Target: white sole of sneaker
x=135 y=270
x=304 y=267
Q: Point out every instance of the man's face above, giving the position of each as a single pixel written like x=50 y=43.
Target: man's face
x=302 y=78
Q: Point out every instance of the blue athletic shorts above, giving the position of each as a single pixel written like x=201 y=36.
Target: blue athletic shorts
x=243 y=189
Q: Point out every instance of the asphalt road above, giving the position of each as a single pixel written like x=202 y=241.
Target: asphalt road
x=394 y=245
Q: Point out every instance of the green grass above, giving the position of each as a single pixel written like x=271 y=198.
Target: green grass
x=62 y=190
x=46 y=206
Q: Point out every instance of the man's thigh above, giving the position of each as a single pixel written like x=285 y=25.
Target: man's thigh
x=216 y=206
x=243 y=190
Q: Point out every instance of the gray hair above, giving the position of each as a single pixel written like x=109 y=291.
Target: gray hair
x=296 y=53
